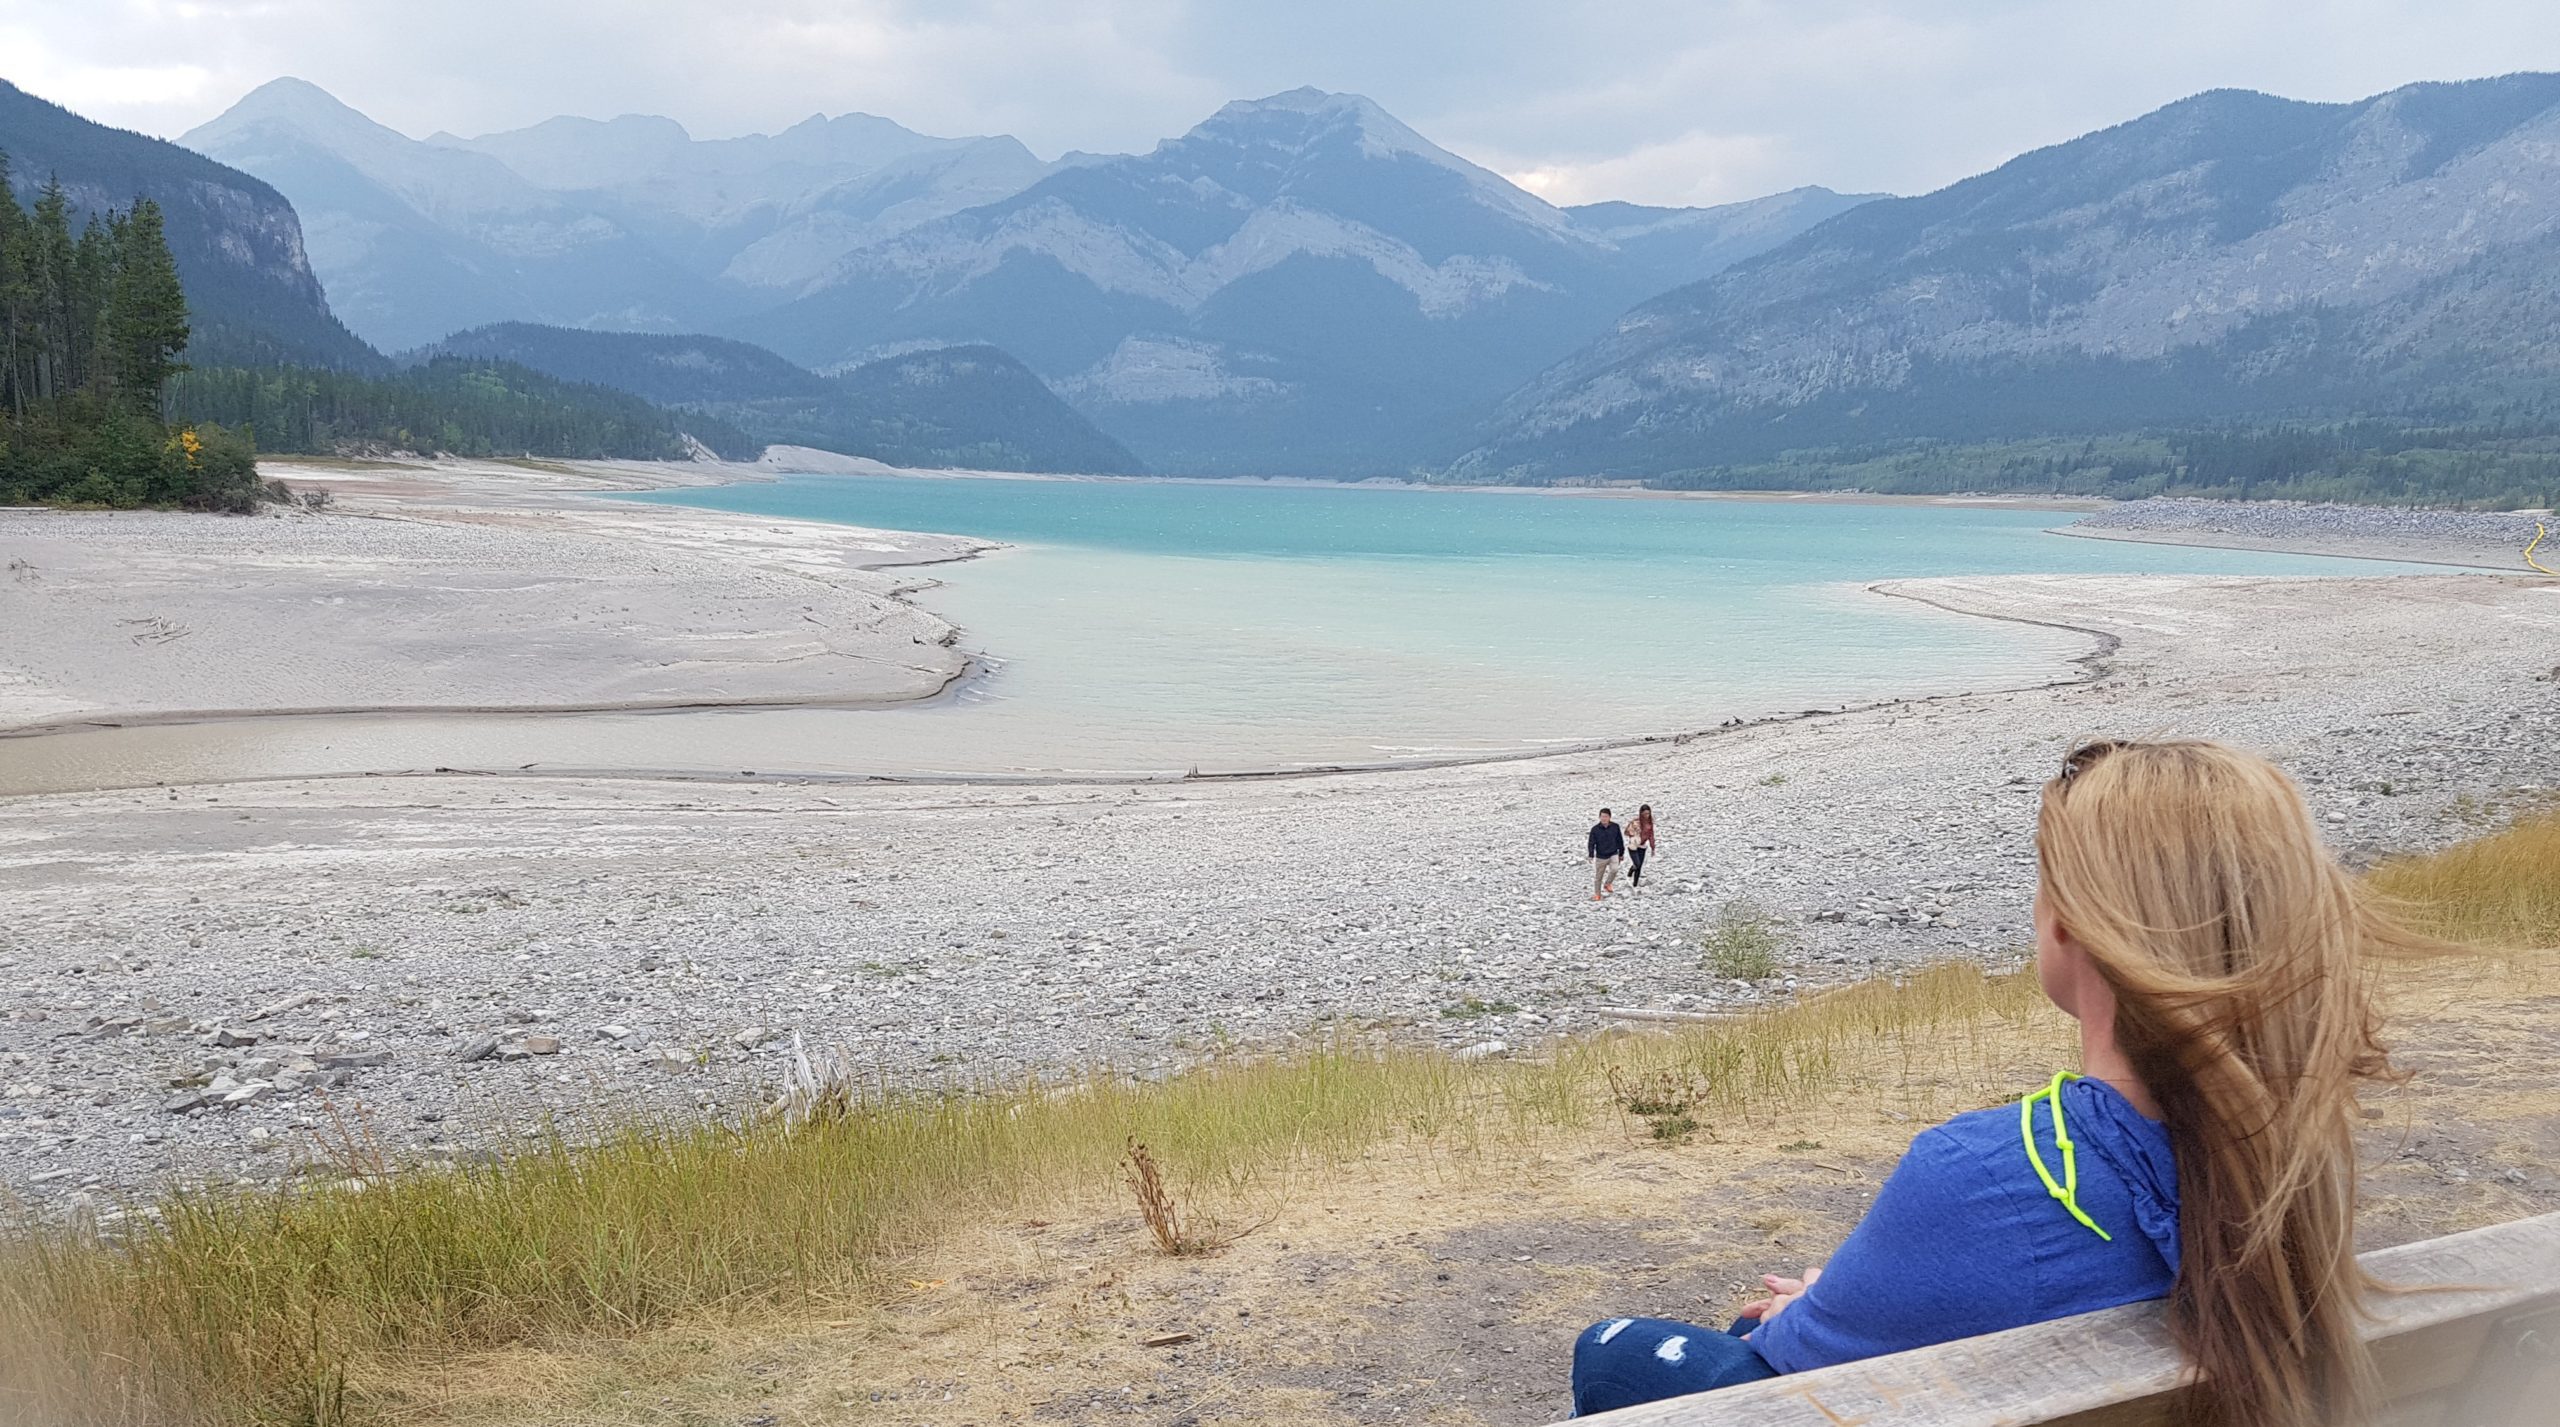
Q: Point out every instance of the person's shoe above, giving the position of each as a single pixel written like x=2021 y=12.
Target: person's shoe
x=1595 y=896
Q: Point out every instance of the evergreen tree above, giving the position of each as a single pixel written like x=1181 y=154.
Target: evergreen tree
x=145 y=326
x=51 y=261
x=16 y=298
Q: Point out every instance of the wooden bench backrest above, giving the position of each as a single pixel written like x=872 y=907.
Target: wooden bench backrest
x=2481 y=1349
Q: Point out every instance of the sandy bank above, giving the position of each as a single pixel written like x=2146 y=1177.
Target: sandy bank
x=458 y=586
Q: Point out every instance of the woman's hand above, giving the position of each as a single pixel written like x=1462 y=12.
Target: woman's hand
x=1782 y=1291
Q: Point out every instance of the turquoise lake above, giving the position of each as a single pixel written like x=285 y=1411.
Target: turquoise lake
x=1153 y=628
x=1150 y=627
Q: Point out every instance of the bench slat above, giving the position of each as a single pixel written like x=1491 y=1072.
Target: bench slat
x=2119 y=1368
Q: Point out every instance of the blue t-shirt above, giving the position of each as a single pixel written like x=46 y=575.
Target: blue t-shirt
x=1964 y=1239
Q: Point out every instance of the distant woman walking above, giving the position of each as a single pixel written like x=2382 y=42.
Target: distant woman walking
x=1639 y=844
x=1608 y=843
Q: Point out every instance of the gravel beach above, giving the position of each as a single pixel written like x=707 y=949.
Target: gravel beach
x=2480 y=539
x=197 y=979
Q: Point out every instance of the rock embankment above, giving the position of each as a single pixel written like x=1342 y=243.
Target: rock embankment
x=2488 y=539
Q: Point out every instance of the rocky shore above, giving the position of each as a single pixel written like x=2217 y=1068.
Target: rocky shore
x=203 y=983
x=2489 y=540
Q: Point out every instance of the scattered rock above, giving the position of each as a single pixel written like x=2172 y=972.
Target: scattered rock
x=476 y=1048
x=540 y=1045
x=226 y=1036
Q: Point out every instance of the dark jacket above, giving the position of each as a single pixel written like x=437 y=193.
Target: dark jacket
x=1608 y=840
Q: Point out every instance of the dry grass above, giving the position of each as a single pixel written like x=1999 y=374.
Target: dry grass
x=330 y=1303
x=2499 y=891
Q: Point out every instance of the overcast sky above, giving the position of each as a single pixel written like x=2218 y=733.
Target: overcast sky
x=1694 y=101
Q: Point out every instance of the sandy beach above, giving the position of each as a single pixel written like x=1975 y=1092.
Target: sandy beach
x=191 y=970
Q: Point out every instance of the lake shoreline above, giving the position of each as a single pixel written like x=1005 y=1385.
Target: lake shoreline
x=726 y=551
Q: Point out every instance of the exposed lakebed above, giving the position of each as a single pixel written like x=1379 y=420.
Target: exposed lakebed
x=1155 y=628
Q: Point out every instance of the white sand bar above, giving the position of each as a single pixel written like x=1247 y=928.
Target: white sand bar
x=458 y=586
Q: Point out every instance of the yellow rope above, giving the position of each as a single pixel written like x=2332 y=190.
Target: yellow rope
x=2538 y=533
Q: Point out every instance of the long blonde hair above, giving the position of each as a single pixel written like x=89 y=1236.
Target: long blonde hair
x=2238 y=950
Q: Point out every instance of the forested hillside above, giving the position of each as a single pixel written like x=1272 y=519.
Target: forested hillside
x=942 y=407
x=237 y=243
x=449 y=406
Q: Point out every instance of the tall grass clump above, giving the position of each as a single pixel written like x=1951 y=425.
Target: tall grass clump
x=2501 y=891
x=1744 y=944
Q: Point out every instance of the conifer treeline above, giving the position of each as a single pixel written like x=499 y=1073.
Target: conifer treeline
x=91 y=326
x=450 y=405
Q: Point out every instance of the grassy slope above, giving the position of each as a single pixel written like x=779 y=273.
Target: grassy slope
x=984 y=1246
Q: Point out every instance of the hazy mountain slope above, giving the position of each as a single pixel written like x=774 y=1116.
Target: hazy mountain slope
x=668 y=369
x=1676 y=246
x=803 y=239
x=767 y=211
x=2230 y=254
x=250 y=288
x=624 y=224
x=414 y=239
x=966 y=406
x=1299 y=284
x=970 y=407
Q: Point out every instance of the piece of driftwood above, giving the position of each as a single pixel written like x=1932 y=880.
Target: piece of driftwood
x=2479 y=1348
x=1640 y=1013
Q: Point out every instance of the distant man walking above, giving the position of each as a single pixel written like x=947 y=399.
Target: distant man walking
x=1608 y=843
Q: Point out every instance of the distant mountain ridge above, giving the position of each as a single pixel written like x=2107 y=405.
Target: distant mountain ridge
x=1301 y=284
x=943 y=407
x=628 y=224
x=237 y=242
x=2231 y=255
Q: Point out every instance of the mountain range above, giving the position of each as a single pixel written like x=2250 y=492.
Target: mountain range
x=267 y=352
x=2231 y=256
x=1300 y=284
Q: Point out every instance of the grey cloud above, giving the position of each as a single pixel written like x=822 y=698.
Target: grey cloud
x=1700 y=102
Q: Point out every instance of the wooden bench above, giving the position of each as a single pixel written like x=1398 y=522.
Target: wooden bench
x=2480 y=1349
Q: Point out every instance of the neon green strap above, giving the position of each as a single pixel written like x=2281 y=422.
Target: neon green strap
x=2068 y=1190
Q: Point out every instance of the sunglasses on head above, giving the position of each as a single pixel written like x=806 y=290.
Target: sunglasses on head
x=2087 y=755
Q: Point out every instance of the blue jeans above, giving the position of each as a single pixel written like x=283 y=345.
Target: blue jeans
x=1629 y=1360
